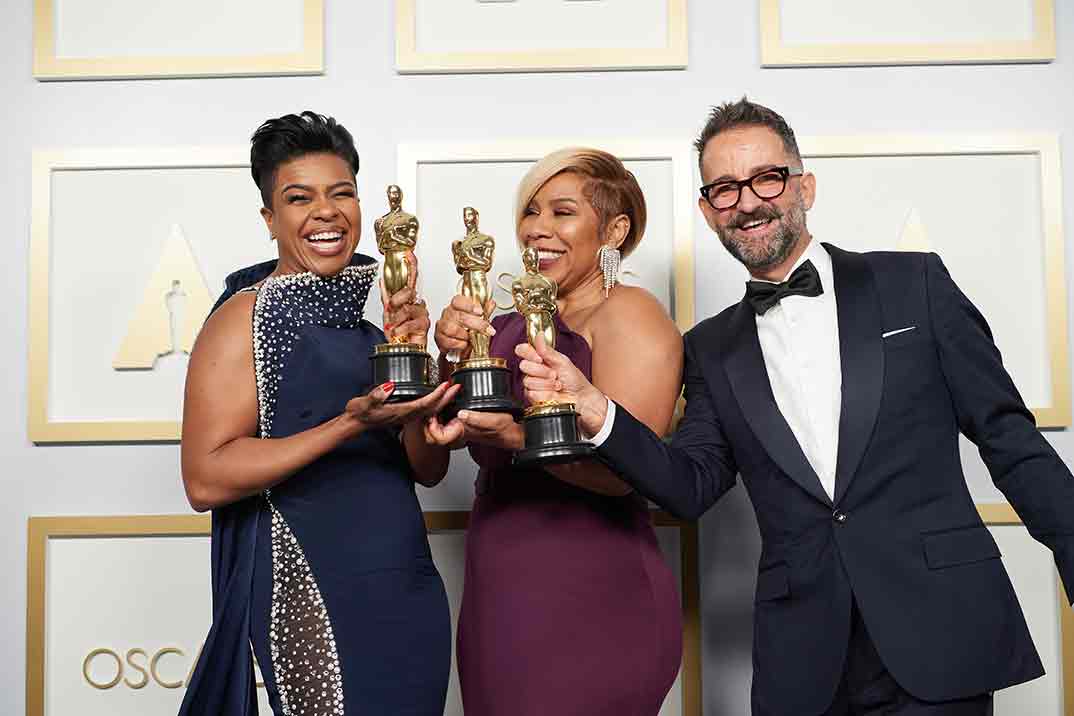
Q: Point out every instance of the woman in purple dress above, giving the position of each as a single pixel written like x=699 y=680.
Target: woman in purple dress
x=569 y=606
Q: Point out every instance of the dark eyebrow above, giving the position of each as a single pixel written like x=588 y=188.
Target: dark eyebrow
x=753 y=172
x=304 y=187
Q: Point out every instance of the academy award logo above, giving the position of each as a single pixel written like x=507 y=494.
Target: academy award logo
x=174 y=304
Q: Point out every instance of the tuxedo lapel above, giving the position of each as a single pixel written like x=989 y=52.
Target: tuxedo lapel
x=746 y=372
x=861 y=355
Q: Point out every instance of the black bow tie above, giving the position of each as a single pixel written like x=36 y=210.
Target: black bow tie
x=803 y=281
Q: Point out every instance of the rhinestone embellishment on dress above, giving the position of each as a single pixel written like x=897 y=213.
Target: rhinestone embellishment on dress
x=303 y=647
x=287 y=303
x=305 y=661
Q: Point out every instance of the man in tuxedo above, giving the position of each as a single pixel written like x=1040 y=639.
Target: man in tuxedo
x=837 y=388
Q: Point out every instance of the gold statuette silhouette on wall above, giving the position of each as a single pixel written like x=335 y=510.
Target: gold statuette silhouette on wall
x=173 y=307
x=914 y=237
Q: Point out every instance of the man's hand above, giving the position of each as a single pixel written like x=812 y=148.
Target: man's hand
x=551 y=376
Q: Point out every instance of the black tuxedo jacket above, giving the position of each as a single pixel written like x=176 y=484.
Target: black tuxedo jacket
x=902 y=536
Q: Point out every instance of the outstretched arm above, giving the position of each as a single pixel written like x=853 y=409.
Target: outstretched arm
x=684 y=477
x=991 y=414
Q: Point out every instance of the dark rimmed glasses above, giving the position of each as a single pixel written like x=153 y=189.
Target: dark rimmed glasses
x=768 y=184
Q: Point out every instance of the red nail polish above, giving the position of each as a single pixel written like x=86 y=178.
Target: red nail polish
x=387 y=387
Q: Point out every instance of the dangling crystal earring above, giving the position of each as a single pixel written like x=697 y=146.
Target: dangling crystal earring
x=608 y=257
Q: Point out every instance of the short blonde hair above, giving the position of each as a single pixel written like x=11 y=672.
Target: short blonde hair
x=610 y=188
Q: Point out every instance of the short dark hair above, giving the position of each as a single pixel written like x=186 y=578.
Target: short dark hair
x=294 y=135
x=744 y=113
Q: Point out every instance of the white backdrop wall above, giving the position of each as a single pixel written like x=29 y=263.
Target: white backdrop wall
x=383 y=110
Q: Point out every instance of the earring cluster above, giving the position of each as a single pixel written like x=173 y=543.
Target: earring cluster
x=609 y=258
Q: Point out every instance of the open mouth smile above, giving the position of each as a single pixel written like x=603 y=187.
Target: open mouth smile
x=326 y=243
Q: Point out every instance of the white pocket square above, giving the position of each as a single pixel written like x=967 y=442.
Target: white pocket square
x=897 y=331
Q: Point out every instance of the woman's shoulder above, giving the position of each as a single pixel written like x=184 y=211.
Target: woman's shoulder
x=629 y=315
x=633 y=304
x=230 y=326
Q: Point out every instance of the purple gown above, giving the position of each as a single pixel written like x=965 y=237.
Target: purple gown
x=568 y=606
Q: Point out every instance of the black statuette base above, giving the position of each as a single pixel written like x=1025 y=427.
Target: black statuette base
x=485 y=388
x=552 y=438
x=406 y=365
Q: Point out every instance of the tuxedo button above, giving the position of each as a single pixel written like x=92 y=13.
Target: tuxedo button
x=839 y=517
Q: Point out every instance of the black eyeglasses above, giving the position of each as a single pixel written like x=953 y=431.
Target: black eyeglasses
x=768 y=184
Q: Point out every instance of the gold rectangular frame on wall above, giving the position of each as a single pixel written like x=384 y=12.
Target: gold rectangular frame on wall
x=528 y=150
x=409 y=59
x=1046 y=148
x=41 y=427
x=41 y=529
x=48 y=66
x=1002 y=514
x=775 y=53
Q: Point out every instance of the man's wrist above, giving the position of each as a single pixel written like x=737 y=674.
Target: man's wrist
x=593 y=411
x=606 y=428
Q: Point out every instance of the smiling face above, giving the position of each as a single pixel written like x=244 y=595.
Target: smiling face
x=565 y=229
x=766 y=235
x=315 y=215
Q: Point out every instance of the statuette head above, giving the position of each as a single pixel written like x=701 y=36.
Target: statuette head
x=395 y=196
x=470 y=217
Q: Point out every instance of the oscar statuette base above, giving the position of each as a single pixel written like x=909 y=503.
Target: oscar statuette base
x=406 y=365
x=552 y=436
x=486 y=388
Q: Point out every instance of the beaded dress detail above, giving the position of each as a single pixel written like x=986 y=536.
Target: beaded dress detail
x=287 y=303
x=303 y=646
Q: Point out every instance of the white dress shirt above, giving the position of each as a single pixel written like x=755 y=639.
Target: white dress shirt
x=799 y=339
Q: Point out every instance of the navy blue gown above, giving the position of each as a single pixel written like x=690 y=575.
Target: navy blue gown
x=330 y=570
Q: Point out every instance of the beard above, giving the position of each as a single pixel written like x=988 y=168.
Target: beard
x=759 y=254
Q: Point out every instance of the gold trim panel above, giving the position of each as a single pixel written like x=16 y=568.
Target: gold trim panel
x=48 y=66
x=41 y=529
x=40 y=426
x=1003 y=515
x=1046 y=148
x=409 y=60
x=775 y=53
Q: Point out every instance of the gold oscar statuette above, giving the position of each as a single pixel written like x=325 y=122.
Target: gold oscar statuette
x=485 y=380
x=551 y=428
x=404 y=363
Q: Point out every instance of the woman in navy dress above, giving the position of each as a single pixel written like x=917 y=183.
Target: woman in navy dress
x=320 y=558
